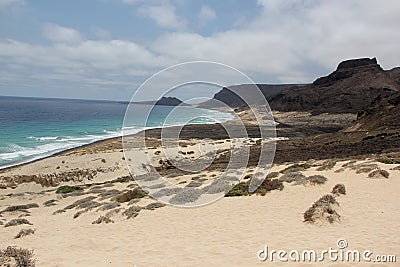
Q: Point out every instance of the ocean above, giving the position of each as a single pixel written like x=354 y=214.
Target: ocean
x=33 y=128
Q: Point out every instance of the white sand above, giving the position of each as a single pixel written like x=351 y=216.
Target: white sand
x=229 y=232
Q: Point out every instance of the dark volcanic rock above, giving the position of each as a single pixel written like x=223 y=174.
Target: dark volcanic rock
x=381 y=115
x=169 y=101
x=230 y=95
x=349 y=89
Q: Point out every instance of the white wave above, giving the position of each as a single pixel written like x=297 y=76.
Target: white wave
x=16 y=154
x=43 y=138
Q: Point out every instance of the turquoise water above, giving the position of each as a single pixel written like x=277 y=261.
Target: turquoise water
x=33 y=128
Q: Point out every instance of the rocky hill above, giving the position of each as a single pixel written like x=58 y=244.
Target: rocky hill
x=169 y=101
x=381 y=115
x=350 y=88
x=230 y=97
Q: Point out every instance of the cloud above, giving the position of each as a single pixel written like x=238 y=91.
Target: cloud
x=101 y=33
x=164 y=16
x=295 y=41
x=285 y=41
x=206 y=14
x=61 y=34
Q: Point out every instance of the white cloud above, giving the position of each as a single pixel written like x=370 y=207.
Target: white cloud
x=287 y=41
x=164 y=15
x=206 y=14
x=290 y=40
x=101 y=33
x=61 y=34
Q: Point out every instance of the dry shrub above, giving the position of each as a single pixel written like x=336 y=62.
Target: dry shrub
x=327 y=165
x=349 y=164
x=339 y=189
x=49 y=203
x=365 y=168
x=19 y=257
x=59 y=211
x=186 y=195
x=20 y=207
x=396 y=168
x=291 y=177
x=272 y=175
x=194 y=184
x=379 y=174
x=108 y=206
x=80 y=202
x=154 y=205
x=131 y=194
x=19 y=221
x=25 y=232
x=322 y=210
x=296 y=167
x=132 y=212
x=51 y=179
x=79 y=213
x=109 y=194
x=103 y=219
x=316 y=179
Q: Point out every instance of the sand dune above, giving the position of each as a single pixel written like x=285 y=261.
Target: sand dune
x=228 y=232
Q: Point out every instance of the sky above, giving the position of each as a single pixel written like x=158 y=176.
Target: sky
x=105 y=49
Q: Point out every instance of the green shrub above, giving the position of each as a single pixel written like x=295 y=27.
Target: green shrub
x=242 y=188
x=296 y=167
x=389 y=160
x=65 y=189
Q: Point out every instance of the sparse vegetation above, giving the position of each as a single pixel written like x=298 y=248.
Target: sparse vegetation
x=316 y=179
x=109 y=206
x=379 y=174
x=25 y=232
x=339 y=189
x=20 y=207
x=132 y=212
x=322 y=210
x=186 y=195
x=103 y=219
x=15 y=256
x=242 y=188
x=65 y=189
x=80 y=202
x=388 y=160
x=154 y=205
x=272 y=175
x=296 y=167
x=365 y=168
x=292 y=177
x=18 y=221
x=327 y=165
x=49 y=203
x=131 y=194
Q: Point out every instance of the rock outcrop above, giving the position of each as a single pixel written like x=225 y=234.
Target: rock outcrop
x=349 y=89
x=168 y=101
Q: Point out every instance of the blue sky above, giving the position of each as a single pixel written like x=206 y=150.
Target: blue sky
x=104 y=49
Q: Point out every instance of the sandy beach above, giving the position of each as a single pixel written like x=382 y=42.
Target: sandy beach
x=95 y=226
